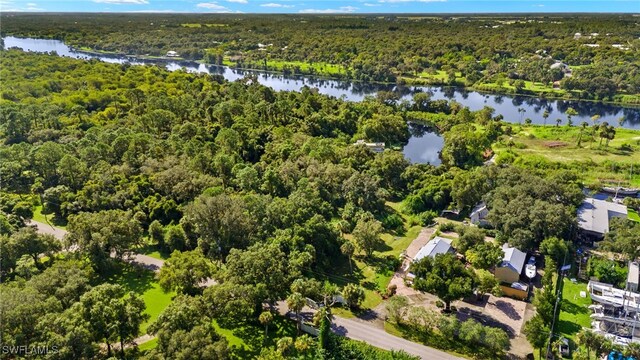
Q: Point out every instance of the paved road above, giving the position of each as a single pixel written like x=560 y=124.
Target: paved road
x=362 y=331
x=48 y=229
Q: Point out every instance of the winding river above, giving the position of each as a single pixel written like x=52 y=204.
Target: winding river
x=423 y=146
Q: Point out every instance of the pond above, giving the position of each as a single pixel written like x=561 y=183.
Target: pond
x=423 y=148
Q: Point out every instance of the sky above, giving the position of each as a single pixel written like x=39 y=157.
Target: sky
x=321 y=6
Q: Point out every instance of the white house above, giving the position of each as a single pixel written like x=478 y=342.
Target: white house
x=595 y=215
x=172 y=54
x=435 y=246
x=512 y=263
x=479 y=214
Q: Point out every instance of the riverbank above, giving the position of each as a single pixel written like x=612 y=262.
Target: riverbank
x=328 y=71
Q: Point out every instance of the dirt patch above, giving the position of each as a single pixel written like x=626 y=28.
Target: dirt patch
x=554 y=144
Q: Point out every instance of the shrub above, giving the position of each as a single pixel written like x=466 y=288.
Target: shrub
x=393 y=222
x=426 y=217
x=447 y=226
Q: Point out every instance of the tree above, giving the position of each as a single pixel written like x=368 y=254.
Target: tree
x=583 y=128
x=396 y=307
x=230 y=303
x=185 y=271
x=112 y=315
x=266 y=265
x=558 y=122
x=487 y=283
x=295 y=302
x=484 y=255
x=353 y=295
x=347 y=248
x=222 y=223
x=545 y=116
x=537 y=333
x=28 y=242
x=444 y=276
x=156 y=233
x=521 y=111
x=184 y=331
x=366 y=234
x=570 y=113
x=556 y=248
x=99 y=234
x=623 y=238
x=265 y=318
x=470 y=237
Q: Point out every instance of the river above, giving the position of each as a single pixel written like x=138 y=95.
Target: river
x=420 y=148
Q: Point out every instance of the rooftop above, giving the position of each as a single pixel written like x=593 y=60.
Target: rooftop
x=513 y=258
x=594 y=215
x=435 y=246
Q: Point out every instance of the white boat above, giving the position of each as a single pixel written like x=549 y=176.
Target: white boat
x=530 y=271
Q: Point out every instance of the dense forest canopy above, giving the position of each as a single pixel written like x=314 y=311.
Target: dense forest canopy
x=502 y=53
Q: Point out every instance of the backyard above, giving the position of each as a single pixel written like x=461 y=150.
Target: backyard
x=574 y=312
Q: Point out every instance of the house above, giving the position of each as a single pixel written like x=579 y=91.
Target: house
x=435 y=246
x=479 y=215
x=376 y=147
x=633 y=278
x=594 y=216
x=511 y=267
x=172 y=54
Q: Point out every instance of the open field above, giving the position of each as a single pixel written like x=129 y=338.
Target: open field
x=143 y=283
x=574 y=314
x=592 y=159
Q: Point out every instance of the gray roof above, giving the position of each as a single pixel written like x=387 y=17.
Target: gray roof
x=594 y=215
x=513 y=258
x=437 y=245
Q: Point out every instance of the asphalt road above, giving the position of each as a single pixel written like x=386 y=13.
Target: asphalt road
x=362 y=331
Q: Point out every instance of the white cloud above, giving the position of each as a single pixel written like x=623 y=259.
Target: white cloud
x=212 y=6
x=238 y=1
x=370 y=4
x=123 y=2
x=539 y=5
x=32 y=4
x=342 y=9
x=276 y=5
x=406 y=1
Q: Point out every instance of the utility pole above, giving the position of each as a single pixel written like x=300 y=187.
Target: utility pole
x=558 y=299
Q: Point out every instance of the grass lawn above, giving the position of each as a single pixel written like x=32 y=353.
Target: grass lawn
x=247 y=340
x=633 y=215
x=48 y=218
x=593 y=161
x=434 y=339
x=151 y=344
x=143 y=283
x=574 y=312
x=151 y=250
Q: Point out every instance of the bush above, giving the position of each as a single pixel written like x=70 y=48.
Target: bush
x=393 y=222
x=426 y=217
x=447 y=226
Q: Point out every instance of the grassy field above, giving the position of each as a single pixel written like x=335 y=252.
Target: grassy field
x=370 y=273
x=143 y=283
x=574 y=312
x=47 y=218
x=633 y=215
x=592 y=159
x=247 y=340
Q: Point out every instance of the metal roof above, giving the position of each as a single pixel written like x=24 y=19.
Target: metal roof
x=513 y=258
x=437 y=245
x=594 y=215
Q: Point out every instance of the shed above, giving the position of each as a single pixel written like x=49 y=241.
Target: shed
x=512 y=263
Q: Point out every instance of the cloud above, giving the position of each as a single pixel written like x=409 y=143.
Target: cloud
x=276 y=5
x=212 y=6
x=406 y=1
x=342 y=9
x=539 y=5
x=123 y=2
x=370 y=4
x=238 y=1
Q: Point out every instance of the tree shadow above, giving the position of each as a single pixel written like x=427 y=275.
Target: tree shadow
x=573 y=308
x=508 y=309
x=131 y=277
x=466 y=313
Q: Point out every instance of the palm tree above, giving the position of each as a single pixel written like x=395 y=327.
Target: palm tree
x=583 y=127
x=570 y=112
x=587 y=338
x=558 y=122
x=521 y=111
x=296 y=302
x=348 y=249
x=265 y=319
x=545 y=115
x=621 y=120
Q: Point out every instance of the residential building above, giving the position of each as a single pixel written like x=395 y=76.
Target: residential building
x=512 y=264
x=595 y=215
